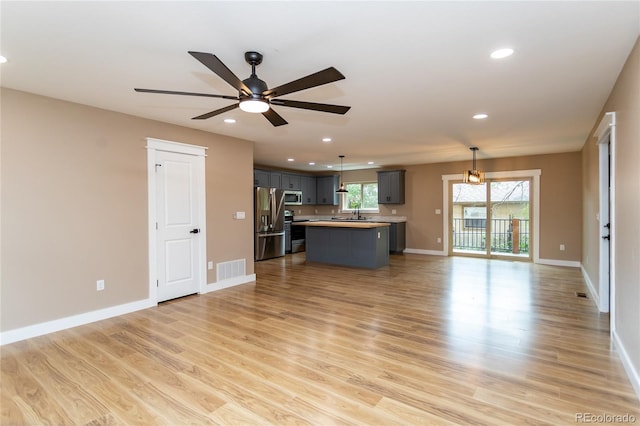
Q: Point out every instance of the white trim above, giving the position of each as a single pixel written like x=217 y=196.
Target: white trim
x=170 y=146
x=590 y=287
x=534 y=174
x=154 y=145
x=556 y=262
x=606 y=132
x=632 y=373
x=427 y=252
x=231 y=282
x=43 y=328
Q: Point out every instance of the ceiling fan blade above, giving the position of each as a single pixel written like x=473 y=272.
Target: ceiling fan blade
x=334 y=109
x=319 y=78
x=274 y=118
x=216 y=112
x=172 y=92
x=214 y=64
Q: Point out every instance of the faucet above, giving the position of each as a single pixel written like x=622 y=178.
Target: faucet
x=357 y=213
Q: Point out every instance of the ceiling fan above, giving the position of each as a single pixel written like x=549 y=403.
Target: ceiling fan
x=254 y=95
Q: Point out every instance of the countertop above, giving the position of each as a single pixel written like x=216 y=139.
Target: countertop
x=370 y=218
x=345 y=224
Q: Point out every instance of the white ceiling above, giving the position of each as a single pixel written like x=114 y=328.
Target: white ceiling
x=415 y=72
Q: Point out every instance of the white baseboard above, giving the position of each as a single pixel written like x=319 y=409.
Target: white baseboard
x=244 y=279
x=632 y=373
x=592 y=291
x=554 y=262
x=421 y=251
x=36 y=330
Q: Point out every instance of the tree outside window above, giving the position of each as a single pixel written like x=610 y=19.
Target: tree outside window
x=363 y=196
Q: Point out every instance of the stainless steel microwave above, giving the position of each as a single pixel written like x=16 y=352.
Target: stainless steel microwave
x=292 y=198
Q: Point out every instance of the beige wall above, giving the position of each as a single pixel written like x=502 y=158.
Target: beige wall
x=74 y=206
x=560 y=200
x=625 y=101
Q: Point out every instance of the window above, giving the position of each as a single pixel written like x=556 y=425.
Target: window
x=362 y=195
x=475 y=217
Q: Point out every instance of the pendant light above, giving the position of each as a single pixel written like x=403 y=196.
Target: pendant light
x=342 y=188
x=474 y=176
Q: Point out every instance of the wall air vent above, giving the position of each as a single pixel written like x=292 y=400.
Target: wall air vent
x=231 y=269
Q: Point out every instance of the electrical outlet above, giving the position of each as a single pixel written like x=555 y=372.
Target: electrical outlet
x=438 y=211
x=100 y=285
x=393 y=211
x=561 y=247
x=210 y=265
x=439 y=239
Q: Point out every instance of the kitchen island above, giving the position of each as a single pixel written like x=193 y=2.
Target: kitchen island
x=348 y=243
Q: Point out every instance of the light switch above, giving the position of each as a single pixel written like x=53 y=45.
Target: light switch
x=238 y=215
x=438 y=211
x=210 y=265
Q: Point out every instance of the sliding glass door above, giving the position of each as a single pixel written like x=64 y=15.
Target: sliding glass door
x=492 y=219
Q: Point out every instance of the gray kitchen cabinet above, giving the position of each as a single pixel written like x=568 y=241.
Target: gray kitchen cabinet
x=261 y=178
x=326 y=187
x=267 y=179
x=397 y=237
x=309 y=191
x=391 y=187
x=275 y=180
x=291 y=181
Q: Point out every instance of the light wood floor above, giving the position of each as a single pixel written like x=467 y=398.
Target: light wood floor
x=427 y=340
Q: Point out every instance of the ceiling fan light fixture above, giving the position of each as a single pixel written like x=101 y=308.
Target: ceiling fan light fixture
x=254 y=105
x=474 y=176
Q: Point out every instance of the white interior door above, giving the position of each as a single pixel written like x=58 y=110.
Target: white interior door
x=179 y=224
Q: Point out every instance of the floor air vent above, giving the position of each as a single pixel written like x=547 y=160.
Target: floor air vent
x=231 y=269
x=581 y=294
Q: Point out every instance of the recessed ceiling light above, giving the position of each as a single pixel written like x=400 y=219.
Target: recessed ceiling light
x=2 y=59
x=291 y=159
x=502 y=53
x=312 y=163
x=326 y=139
x=480 y=116
x=229 y=120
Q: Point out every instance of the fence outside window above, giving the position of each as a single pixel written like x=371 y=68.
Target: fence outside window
x=508 y=236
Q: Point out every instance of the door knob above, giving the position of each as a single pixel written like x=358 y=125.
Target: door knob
x=606 y=237
x=194 y=231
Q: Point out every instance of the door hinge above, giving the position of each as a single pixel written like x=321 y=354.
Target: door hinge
x=156 y=226
x=157 y=283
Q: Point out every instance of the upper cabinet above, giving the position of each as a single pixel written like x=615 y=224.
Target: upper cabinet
x=308 y=186
x=391 y=187
x=261 y=178
x=326 y=190
x=267 y=179
x=291 y=181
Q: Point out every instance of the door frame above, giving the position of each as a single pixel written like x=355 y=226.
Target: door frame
x=534 y=174
x=153 y=146
x=606 y=138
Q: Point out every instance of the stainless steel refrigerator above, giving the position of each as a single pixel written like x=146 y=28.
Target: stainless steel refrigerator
x=269 y=223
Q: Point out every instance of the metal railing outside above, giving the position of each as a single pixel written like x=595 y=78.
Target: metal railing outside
x=507 y=235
